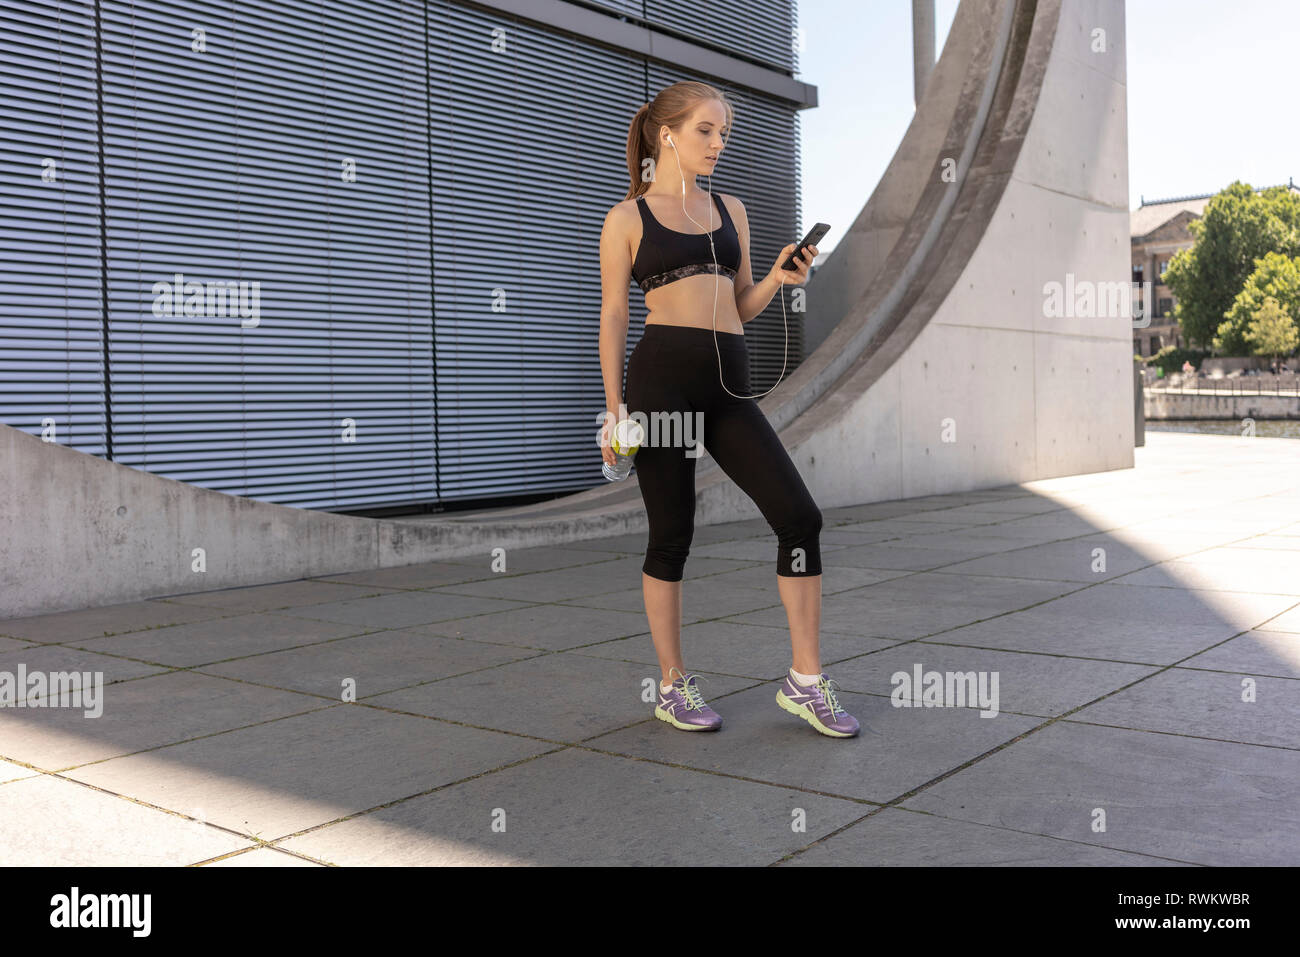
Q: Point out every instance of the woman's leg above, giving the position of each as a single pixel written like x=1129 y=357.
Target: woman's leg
x=666 y=476
x=802 y=598
x=747 y=448
x=663 y=609
x=667 y=479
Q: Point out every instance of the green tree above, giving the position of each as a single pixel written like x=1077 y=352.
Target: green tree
x=1238 y=227
x=1272 y=332
x=1275 y=276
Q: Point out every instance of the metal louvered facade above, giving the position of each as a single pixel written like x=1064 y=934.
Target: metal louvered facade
x=342 y=255
x=51 y=308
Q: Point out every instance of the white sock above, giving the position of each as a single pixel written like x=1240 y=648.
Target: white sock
x=805 y=679
x=665 y=688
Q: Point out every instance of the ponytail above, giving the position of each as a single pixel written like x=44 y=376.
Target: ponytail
x=638 y=150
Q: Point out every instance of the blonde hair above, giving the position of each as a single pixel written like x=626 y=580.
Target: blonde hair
x=671 y=107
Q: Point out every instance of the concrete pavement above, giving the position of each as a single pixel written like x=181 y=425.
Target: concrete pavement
x=1143 y=626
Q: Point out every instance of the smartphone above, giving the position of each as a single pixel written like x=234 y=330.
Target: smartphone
x=814 y=236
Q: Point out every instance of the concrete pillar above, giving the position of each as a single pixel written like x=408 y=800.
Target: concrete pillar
x=922 y=45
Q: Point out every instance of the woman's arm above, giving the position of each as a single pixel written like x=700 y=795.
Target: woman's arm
x=751 y=297
x=615 y=278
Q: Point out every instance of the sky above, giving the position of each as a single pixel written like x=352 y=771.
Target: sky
x=1210 y=97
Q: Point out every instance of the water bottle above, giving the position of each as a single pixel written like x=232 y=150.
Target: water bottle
x=625 y=439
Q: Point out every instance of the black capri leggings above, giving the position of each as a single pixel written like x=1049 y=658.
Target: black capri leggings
x=674 y=369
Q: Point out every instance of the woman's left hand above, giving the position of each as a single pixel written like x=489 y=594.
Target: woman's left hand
x=797 y=275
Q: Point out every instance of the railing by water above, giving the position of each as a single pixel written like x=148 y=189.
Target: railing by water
x=1264 y=383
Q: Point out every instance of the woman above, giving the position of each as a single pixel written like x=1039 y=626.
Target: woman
x=692 y=361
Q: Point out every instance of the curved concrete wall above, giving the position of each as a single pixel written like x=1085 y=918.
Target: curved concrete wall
x=941 y=372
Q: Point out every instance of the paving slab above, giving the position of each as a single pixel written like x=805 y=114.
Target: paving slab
x=1033 y=684
x=898 y=749
x=53 y=822
x=920 y=605
x=544 y=627
x=280 y=777
x=832 y=535
x=923 y=523
x=1137 y=641
x=957 y=499
x=290 y=594
x=403 y=577
x=107 y=620
x=1273 y=653
x=726 y=647
x=988 y=593
x=873 y=511
x=1181 y=798
x=1258 y=570
x=1212 y=704
x=1023 y=504
x=894 y=837
x=1288 y=621
x=1216 y=528
x=203 y=642
x=367 y=665
x=965 y=544
x=631 y=813
x=561 y=697
x=140 y=714
x=899 y=620
x=12 y=772
x=1290 y=543
x=888 y=554
x=55 y=658
x=1133 y=623
x=261 y=857
x=1089 y=559
x=400 y=609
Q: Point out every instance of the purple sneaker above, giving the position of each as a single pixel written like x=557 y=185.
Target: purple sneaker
x=682 y=707
x=817 y=704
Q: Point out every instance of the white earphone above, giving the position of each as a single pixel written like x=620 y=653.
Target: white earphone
x=717 y=282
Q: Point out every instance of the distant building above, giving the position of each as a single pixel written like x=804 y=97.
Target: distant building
x=1158 y=230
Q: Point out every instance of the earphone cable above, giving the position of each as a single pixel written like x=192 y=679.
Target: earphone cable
x=717 y=282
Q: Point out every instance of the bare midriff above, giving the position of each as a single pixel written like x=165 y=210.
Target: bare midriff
x=689 y=302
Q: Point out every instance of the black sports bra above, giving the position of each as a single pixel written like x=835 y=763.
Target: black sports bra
x=666 y=255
